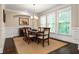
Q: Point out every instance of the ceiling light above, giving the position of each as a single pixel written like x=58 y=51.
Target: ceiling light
x=34 y=16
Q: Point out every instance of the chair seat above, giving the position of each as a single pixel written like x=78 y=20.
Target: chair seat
x=41 y=37
x=31 y=35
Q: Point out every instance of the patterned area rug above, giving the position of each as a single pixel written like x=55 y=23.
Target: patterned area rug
x=34 y=48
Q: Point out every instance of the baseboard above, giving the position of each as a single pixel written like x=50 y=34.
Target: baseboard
x=1 y=51
x=16 y=36
x=12 y=37
x=63 y=41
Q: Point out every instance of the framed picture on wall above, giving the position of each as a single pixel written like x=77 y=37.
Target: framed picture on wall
x=23 y=21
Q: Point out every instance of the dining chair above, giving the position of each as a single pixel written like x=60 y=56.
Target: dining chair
x=41 y=28
x=44 y=35
x=24 y=33
x=31 y=36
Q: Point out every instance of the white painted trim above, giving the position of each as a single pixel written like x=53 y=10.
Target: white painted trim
x=78 y=46
x=1 y=50
x=13 y=10
x=75 y=28
x=18 y=26
x=18 y=11
x=54 y=14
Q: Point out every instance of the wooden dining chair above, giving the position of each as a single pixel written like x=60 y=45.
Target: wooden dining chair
x=40 y=28
x=31 y=36
x=44 y=35
x=24 y=33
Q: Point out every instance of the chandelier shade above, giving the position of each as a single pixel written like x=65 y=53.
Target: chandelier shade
x=34 y=16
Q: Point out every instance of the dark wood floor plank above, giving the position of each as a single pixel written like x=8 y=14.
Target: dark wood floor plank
x=9 y=47
x=68 y=49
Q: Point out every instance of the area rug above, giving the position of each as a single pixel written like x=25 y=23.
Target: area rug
x=23 y=47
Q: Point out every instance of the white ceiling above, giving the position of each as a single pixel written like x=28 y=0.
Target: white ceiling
x=29 y=7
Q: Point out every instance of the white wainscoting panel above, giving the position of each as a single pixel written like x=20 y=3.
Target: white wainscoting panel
x=75 y=34
x=11 y=31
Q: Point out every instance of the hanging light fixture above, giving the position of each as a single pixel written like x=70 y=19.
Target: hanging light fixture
x=34 y=16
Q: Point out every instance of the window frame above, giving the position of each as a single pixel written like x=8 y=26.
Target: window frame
x=53 y=13
x=40 y=20
x=70 y=26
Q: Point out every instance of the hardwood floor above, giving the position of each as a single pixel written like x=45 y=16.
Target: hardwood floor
x=71 y=48
x=9 y=47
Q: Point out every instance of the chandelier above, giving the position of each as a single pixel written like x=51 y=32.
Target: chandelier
x=34 y=16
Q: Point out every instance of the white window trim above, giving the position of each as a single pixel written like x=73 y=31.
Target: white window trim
x=46 y=20
x=54 y=12
x=70 y=22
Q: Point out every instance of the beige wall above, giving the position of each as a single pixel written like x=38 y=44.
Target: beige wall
x=12 y=21
x=78 y=15
x=74 y=15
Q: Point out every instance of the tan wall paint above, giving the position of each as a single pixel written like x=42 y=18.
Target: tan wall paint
x=74 y=13
x=12 y=21
x=78 y=15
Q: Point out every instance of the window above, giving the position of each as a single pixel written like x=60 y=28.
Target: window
x=58 y=21
x=51 y=21
x=64 y=20
x=43 y=21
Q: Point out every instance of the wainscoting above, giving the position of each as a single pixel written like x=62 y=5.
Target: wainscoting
x=11 y=31
x=73 y=38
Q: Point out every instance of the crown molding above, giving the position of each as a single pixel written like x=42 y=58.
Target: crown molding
x=16 y=11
